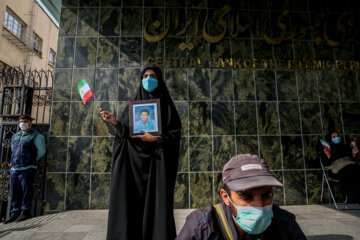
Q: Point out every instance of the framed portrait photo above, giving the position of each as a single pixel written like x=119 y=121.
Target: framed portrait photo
x=145 y=115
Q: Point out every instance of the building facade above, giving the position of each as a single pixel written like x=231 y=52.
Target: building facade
x=28 y=35
x=262 y=77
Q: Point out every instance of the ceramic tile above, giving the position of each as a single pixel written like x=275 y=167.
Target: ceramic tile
x=182 y=108
x=101 y=158
x=128 y=82
x=57 y=154
x=265 y=85
x=132 y=3
x=77 y=191
x=106 y=83
x=68 y=18
x=79 y=154
x=331 y=116
x=289 y=118
x=173 y=50
x=243 y=85
x=131 y=22
x=100 y=191
x=200 y=154
x=55 y=191
x=85 y=55
x=278 y=192
x=351 y=116
x=184 y=155
x=65 y=52
x=286 y=84
x=181 y=195
x=201 y=190
x=312 y=149
x=328 y=86
x=110 y=3
x=88 y=22
x=314 y=184
x=307 y=85
x=89 y=3
x=177 y=84
x=270 y=151
x=303 y=50
x=108 y=52
x=245 y=118
x=247 y=144
x=268 y=122
x=348 y=86
x=199 y=84
x=199 y=118
x=240 y=31
x=223 y=118
x=284 y=51
x=294 y=183
x=130 y=51
x=310 y=118
x=224 y=149
x=62 y=84
x=60 y=119
x=221 y=85
x=292 y=152
x=218 y=184
x=177 y=19
x=81 y=119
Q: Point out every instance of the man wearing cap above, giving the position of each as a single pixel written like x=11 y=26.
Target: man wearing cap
x=27 y=147
x=247 y=210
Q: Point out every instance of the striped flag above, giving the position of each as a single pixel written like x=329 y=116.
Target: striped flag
x=325 y=144
x=84 y=90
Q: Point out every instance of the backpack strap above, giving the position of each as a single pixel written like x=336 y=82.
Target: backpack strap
x=223 y=223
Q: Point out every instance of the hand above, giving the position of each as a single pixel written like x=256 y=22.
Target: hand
x=355 y=151
x=107 y=116
x=327 y=153
x=146 y=137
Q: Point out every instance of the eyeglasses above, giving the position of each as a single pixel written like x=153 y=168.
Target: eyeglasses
x=153 y=75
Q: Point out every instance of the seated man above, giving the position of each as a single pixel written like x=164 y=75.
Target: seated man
x=247 y=210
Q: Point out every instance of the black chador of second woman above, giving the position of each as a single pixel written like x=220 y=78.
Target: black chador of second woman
x=144 y=169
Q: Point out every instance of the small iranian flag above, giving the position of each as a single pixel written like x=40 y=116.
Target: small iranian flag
x=325 y=144
x=84 y=90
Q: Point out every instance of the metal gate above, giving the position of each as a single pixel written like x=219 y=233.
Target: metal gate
x=23 y=91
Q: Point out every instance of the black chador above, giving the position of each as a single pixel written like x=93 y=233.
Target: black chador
x=143 y=174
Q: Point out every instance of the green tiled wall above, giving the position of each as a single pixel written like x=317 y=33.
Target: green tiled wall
x=278 y=114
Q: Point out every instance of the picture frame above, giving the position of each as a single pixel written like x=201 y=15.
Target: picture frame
x=145 y=115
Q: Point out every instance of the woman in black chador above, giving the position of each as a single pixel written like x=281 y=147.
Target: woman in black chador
x=342 y=163
x=144 y=169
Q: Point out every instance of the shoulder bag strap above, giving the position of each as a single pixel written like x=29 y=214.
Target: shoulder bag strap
x=223 y=223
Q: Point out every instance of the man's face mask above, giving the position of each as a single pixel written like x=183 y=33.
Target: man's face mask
x=24 y=126
x=253 y=220
x=336 y=140
x=150 y=84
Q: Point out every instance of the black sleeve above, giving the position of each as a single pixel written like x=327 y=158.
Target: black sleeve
x=297 y=232
x=190 y=230
x=119 y=129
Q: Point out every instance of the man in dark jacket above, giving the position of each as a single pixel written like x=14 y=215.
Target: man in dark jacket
x=27 y=147
x=247 y=210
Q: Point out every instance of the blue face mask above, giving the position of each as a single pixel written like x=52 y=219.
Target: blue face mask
x=336 y=140
x=150 y=84
x=253 y=220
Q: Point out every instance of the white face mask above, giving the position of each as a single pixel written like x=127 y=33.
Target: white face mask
x=24 y=126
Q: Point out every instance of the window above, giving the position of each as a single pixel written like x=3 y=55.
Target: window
x=36 y=43
x=14 y=24
x=52 y=56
